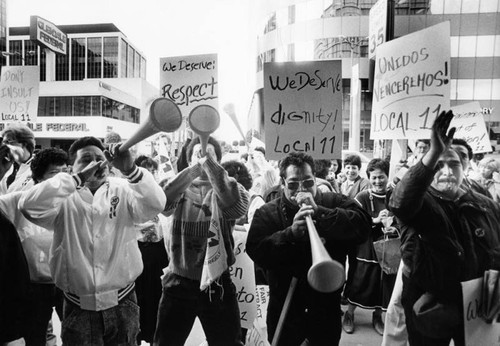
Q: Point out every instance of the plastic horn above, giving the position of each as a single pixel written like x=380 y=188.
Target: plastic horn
x=204 y=120
x=164 y=116
x=325 y=274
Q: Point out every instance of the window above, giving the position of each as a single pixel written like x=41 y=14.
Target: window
x=110 y=57
x=130 y=62
x=137 y=65
x=62 y=66
x=77 y=59
x=123 y=58
x=63 y=107
x=94 y=57
x=16 y=49
x=30 y=53
x=82 y=106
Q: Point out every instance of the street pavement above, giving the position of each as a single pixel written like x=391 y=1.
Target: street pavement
x=364 y=334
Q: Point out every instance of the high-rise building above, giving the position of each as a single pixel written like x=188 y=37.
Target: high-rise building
x=98 y=86
x=299 y=30
x=3 y=30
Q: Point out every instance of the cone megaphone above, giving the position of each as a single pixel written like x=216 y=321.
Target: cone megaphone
x=164 y=116
x=204 y=120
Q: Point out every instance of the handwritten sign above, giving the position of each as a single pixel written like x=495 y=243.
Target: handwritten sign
x=19 y=86
x=377 y=26
x=412 y=84
x=190 y=81
x=243 y=275
x=477 y=331
x=303 y=108
x=470 y=125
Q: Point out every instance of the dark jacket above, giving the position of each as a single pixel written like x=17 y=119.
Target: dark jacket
x=339 y=220
x=14 y=281
x=444 y=242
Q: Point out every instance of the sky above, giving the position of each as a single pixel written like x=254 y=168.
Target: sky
x=167 y=28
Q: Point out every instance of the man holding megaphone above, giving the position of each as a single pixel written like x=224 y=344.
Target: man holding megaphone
x=281 y=241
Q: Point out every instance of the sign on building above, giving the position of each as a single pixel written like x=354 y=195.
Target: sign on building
x=303 y=108
x=412 y=84
x=48 y=35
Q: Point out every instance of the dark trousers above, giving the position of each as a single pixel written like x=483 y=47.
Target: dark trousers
x=408 y=298
x=41 y=299
x=182 y=301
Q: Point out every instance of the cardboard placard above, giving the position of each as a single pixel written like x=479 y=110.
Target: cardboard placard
x=243 y=276
x=470 y=125
x=412 y=84
x=190 y=81
x=19 y=88
x=303 y=108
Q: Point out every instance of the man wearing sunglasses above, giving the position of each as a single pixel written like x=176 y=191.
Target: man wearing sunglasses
x=278 y=241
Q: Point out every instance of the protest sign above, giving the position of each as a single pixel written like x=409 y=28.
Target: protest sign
x=412 y=84
x=470 y=125
x=19 y=87
x=477 y=331
x=303 y=108
x=377 y=26
x=190 y=81
x=243 y=275
x=257 y=335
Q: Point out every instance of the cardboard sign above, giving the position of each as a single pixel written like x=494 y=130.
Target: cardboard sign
x=377 y=26
x=243 y=276
x=257 y=335
x=190 y=81
x=19 y=87
x=477 y=331
x=470 y=125
x=412 y=84
x=303 y=108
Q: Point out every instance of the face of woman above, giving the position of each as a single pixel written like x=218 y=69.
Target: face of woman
x=486 y=172
x=379 y=180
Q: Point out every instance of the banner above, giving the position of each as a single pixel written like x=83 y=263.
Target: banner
x=412 y=84
x=303 y=108
x=190 y=81
x=257 y=336
x=470 y=125
x=243 y=276
x=19 y=88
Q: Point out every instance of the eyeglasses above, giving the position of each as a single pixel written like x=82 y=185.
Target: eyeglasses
x=294 y=185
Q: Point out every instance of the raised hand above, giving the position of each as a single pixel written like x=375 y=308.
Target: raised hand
x=121 y=160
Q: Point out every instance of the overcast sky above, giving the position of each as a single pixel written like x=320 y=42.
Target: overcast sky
x=163 y=28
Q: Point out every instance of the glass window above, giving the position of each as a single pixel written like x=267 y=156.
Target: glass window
x=110 y=57
x=30 y=53
x=495 y=89
x=94 y=57
x=46 y=106
x=63 y=107
x=436 y=6
x=482 y=89
x=107 y=109
x=16 y=50
x=62 y=66
x=465 y=89
x=469 y=6
x=137 y=65
x=143 y=67
x=452 y=6
x=96 y=106
x=467 y=46
x=77 y=58
x=496 y=52
x=82 y=106
x=453 y=89
x=485 y=45
x=130 y=62
x=43 y=64
x=454 y=46
x=123 y=58
x=488 y=6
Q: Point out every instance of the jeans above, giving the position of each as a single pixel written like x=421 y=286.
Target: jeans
x=182 y=301
x=41 y=299
x=118 y=325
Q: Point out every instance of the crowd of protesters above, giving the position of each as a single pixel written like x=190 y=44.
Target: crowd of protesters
x=124 y=257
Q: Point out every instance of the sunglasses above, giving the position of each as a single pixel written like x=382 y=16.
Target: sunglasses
x=294 y=185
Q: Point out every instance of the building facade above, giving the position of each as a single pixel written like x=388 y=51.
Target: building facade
x=301 y=30
x=97 y=87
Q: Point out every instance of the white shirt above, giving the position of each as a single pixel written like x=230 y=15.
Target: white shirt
x=22 y=181
x=95 y=251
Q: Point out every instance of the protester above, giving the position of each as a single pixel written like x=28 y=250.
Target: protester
x=154 y=258
x=421 y=147
x=204 y=203
x=335 y=169
x=16 y=151
x=36 y=242
x=369 y=287
x=95 y=257
x=321 y=169
x=278 y=242
x=448 y=236
x=14 y=284
x=489 y=176
x=354 y=183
